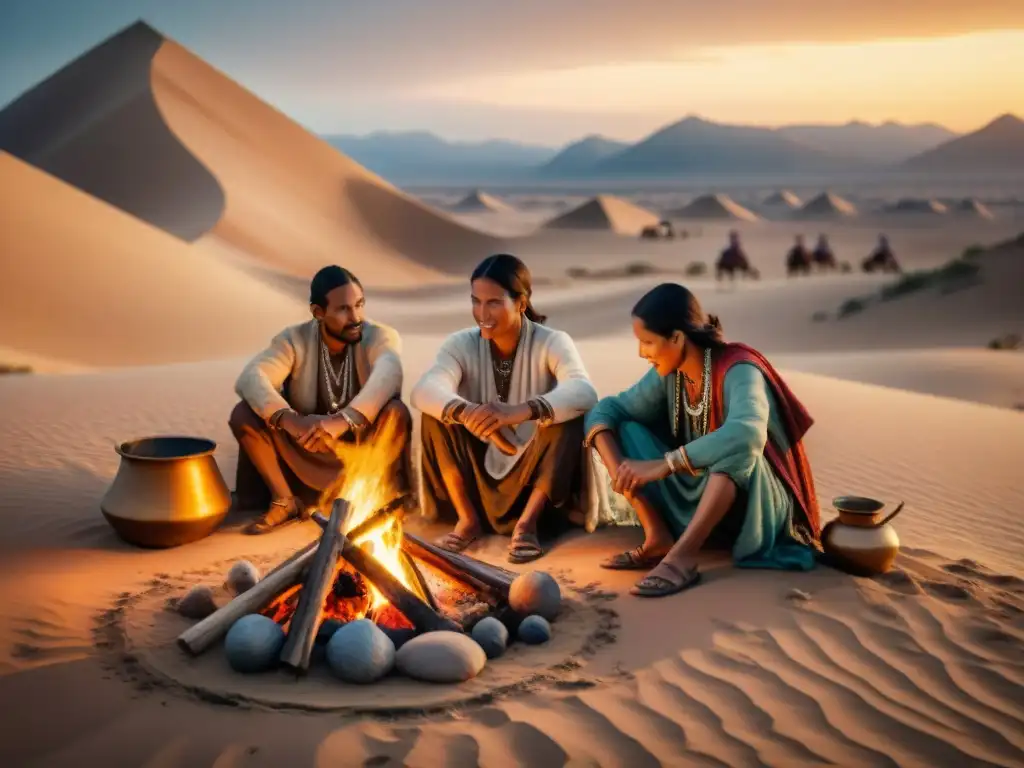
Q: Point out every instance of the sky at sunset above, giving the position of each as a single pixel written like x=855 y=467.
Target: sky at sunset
x=549 y=71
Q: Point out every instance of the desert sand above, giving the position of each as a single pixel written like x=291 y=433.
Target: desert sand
x=134 y=330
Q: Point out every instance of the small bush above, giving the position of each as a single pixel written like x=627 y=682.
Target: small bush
x=639 y=268
x=845 y=267
x=909 y=283
x=696 y=269
x=13 y=368
x=958 y=269
x=1009 y=341
x=972 y=252
x=576 y=272
x=851 y=307
x=820 y=316
x=954 y=274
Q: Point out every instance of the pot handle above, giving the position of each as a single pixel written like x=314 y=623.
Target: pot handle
x=891 y=515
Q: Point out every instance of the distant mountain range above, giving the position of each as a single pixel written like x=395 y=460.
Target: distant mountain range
x=999 y=146
x=422 y=155
x=695 y=146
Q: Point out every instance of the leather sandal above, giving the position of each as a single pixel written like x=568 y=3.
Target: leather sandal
x=632 y=560
x=663 y=586
x=281 y=512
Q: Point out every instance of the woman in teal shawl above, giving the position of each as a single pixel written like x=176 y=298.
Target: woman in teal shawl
x=707 y=448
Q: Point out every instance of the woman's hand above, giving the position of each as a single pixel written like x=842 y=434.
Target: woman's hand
x=630 y=475
x=487 y=418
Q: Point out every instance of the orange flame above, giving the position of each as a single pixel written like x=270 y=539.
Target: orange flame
x=367 y=483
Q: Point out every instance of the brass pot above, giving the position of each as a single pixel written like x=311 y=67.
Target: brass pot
x=861 y=541
x=168 y=491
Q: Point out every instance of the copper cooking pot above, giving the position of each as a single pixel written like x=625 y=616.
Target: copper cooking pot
x=168 y=491
x=861 y=541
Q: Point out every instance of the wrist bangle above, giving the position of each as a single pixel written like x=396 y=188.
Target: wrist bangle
x=672 y=459
x=457 y=412
x=275 y=419
x=535 y=409
x=687 y=466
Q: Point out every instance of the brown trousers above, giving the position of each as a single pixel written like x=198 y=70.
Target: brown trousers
x=551 y=464
x=307 y=473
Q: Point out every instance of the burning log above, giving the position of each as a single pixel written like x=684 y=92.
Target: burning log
x=306 y=620
x=423 y=617
x=421 y=583
x=459 y=566
x=202 y=635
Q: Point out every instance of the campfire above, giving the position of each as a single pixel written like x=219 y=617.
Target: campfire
x=364 y=566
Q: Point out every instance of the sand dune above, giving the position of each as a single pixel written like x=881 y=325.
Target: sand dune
x=971 y=207
x=977 y=375
x=293 y=201
x=606 y=213
x=910 y=205
x=479 y=201
x=713 y=207
x=751 y=668
x=827 y=205
x=228 y=165
x=83 y=283
x=783 y=197
x=95 y=124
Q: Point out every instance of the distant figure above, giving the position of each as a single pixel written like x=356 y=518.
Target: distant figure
x=822 y=256
x=663 y=230
x=798 y=260
x=882 y=259
x=733 y=260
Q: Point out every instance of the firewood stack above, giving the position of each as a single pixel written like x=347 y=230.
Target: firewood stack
x=315 y=567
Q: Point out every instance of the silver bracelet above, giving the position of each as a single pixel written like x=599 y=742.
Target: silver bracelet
x=675 y=464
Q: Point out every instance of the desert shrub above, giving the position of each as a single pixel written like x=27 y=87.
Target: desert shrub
x=576 y=272
x=958 y=269
x=14 y=368
x=639 y=268
x=972 y=252
x=696 y=269
x=908 y=283
x=820 y=316
x=851 y=307
x=1009 y=341
x=954 y=274
x=845 y=267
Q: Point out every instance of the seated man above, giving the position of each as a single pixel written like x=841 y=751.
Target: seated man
x=335 y=377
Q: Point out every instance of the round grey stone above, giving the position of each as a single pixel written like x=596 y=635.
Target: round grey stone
x=253 y=643
x=242 y=577
x=491 y=635
x=197 y=603
x=360 y=653
x=441 y=657
x=535 y=592
x=534 y=630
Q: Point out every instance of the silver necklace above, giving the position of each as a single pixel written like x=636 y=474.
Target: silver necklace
x=697 y=410
x=337 y=381
x=700 y=425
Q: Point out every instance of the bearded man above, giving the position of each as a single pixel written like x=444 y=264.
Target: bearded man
x=337 y=377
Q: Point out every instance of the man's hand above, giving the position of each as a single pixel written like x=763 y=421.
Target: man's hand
x=630 y=476
x=304 y=430
x=334 y=427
